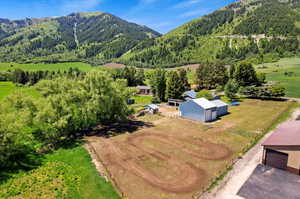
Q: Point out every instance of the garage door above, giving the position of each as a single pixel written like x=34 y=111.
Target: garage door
x=276 y=159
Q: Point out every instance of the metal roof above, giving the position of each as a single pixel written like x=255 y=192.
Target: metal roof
x=206 y=104
x=192 y=94
x=152 y=106
x=287 y=134
x=219 y=103
x=144 y=87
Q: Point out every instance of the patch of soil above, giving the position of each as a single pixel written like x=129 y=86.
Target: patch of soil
x=114 y=65
x=200 y=149
x=189 y=178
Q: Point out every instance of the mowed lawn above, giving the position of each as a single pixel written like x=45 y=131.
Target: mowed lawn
x=179 y=158
x=7 y=88
x=41 y=66
x=275 y=72
x=66 y=173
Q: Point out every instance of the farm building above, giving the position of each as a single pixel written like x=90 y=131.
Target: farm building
x=175 y=102
x=202 y=109
x=222 y=107
x=189 y=95
x=282 y=148
x=198 y=109
x=152 y=108
x=144 y=90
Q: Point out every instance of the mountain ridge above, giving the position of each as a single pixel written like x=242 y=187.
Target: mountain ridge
x=200 y=40
x=72 y=37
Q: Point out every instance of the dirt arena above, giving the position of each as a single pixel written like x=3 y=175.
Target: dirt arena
x=152 y=163
x=177 y=158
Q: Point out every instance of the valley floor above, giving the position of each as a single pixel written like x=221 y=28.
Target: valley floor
x=278 y=72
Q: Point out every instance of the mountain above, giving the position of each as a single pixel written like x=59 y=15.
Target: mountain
x=77 y=36
x=258 y=30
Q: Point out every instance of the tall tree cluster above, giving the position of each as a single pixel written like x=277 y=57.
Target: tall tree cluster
x=20 y=76
x=211 y=75
x=133 y=75
x=168 y=84
x=67 y=106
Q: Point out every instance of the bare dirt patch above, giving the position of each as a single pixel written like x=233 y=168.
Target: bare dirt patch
x=176 y=158
x=114 y=65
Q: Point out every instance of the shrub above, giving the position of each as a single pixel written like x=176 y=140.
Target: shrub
x=54 y=180
x=231 y=88
x=206 y=94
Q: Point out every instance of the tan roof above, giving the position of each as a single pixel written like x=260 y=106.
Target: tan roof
x=287 y=134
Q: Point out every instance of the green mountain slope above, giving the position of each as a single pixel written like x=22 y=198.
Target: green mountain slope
x=248 y=29
x=77 y=36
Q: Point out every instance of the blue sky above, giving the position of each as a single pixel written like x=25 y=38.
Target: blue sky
x=161 y=15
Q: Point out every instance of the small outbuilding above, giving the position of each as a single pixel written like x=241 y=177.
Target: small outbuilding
x=152 y=108
x=144 y=90
x=175 y=102
x=189 y=95
x=198 y=109
x=282 y=148
x=222 y=107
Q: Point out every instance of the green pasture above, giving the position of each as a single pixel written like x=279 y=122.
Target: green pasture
x=7 y=88
x=42 y=66
x=276 y=72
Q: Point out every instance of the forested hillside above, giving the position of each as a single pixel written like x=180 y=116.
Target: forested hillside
x=78 y=36
x=258 y=30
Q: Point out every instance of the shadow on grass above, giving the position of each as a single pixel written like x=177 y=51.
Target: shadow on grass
x=116 y=128
x=22 y=164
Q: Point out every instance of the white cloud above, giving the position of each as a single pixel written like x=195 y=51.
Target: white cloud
x=80 y=5
x=188 y=3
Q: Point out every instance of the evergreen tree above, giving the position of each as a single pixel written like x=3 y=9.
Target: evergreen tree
x=174 y=86
x=245 y=74
x=160 y=83
x=231 y=88
x=184 y=80
x=211 y=75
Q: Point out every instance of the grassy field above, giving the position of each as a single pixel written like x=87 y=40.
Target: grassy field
x=141 y=101
x=276 y=72
x=179 y=158
x=67 y=173
x=40 y=66
x=7 y=88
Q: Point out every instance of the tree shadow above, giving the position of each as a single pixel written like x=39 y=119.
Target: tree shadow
x=116 y=128
x=25 y=163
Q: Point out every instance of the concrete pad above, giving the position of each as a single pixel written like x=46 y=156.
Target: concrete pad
x=270 y=183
